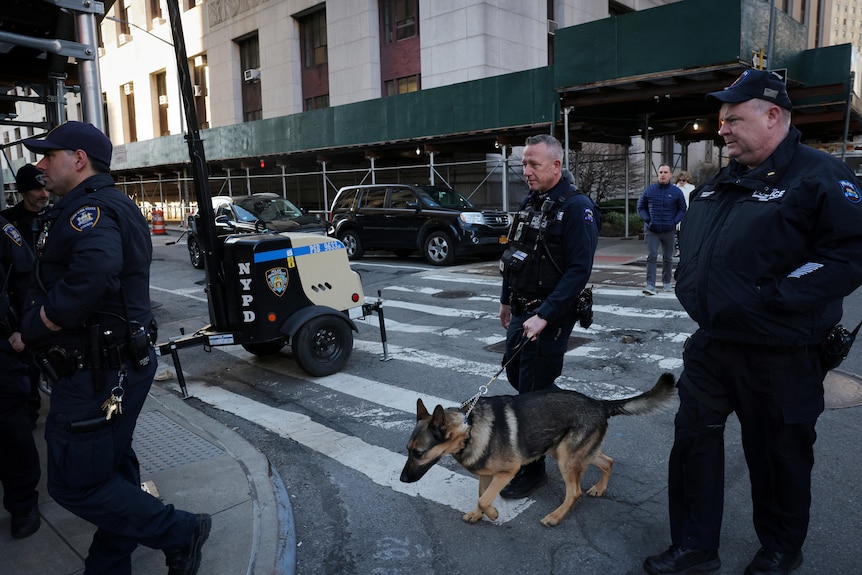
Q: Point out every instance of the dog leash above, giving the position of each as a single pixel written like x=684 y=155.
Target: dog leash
x=483 y=389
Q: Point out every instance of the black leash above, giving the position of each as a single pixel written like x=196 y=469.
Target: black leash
x=483 y=389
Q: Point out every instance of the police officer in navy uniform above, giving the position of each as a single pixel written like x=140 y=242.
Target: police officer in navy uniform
x=19 y=460
x=25 y=217
x=545 y=268
x=88 y=320
x=770 y=247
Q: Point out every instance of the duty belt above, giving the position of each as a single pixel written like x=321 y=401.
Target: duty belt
x=57 y=361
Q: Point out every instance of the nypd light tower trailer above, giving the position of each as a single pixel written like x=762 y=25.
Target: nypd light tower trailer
x=268 y=290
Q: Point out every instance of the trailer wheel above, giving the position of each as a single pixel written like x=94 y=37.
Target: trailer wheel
x=439 y=249
x=196 y=255
x=323 y=345
x=264 y=348
x=351 y=241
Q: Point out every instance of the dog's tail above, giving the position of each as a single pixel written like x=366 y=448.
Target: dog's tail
x=655 y=399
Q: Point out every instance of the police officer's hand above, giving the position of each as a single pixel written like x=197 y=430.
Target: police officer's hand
x=16 y=342
x=534 y=326
x=505 y=315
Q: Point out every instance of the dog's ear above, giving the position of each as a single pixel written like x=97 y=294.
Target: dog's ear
x=439 y=418
x=421 y=412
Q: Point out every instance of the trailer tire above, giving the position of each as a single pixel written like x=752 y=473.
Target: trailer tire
x=196 y=254
x=353 y=244
x=264 y=348
x=323 y=345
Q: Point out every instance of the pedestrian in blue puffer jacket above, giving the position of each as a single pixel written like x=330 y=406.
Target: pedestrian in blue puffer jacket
x=661 y=207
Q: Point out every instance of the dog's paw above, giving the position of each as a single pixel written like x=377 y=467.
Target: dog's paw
x=550 y=520
x=491 y=512
x=473 y=516
x=596 y=491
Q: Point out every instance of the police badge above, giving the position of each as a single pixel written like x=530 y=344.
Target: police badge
x=276 y=279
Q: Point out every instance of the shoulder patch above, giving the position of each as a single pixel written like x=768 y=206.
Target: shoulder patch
x=588 y=216
x=13 y=233
x=86 y=217
x=851 y=192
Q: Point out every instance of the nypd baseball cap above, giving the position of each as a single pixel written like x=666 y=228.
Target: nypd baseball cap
x=29 y=177
x=74 y=136
x=751 y=84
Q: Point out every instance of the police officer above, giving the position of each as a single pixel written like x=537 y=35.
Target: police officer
x=770 y=247
x=88 y=320
x=547 y=265
x=19 y=460
x=25 y=217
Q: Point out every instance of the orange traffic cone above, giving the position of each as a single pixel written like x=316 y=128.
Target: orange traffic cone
x=158 y=223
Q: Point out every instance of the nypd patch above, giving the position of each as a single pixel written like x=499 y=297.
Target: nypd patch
x=588 y=216
x=86 y=217
x=13 y=233
x=276 y=279
x=851 y=192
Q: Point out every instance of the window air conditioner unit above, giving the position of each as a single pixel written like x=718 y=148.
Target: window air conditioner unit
x=200 y=60
x=163 y=100
x=124 y=39
x=158 y=21
x=552 y=27
x=251 y=74
x=198 y=90
x=128 y=89
x=100 y=51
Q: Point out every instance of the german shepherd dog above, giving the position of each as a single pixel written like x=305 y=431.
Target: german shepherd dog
x=503 y=433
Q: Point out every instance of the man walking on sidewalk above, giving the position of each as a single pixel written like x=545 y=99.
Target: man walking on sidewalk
x=661 y=207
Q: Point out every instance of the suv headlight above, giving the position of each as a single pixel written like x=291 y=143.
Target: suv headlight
x=471 y=217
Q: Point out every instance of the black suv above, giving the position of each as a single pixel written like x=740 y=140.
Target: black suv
x=439 y=222
x=257 y=213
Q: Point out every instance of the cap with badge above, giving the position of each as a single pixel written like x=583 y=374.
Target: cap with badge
x=74 y=136
x=29 y=177
x=752 y=84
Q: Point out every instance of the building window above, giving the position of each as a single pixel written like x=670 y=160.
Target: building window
x=154 y=13
x=200 y=88
x=124 y=13
x=316 y=103
x=400 y=19
x=160 y=81
x=312 y=34
x=127 y=97
x=315 y=59
x=402 y=85
x=249 y=60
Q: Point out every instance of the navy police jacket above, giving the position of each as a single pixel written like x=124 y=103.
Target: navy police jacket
x=768 y=254
x=94 y=241
x=575 y=235
x=16 y=267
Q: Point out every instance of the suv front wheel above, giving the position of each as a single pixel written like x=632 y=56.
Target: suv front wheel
x=439 y=249
x=351 y=241
x=196 y=254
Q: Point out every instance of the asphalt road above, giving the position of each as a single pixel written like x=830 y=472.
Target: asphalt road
x=339 y=442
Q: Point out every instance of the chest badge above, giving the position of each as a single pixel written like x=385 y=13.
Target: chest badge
x=86 y=217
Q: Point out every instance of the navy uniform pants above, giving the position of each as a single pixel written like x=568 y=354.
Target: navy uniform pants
x=95 y=474
x=777 y=394
x=19 y=460
x=540 y=362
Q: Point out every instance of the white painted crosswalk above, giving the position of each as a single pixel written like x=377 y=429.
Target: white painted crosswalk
x=413 y=316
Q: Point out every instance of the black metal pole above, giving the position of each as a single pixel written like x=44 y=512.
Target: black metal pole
x=206 y=233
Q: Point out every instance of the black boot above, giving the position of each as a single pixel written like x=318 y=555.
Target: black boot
x=529 y=478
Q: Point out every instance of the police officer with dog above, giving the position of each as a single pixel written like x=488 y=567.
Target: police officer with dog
x=770 y=247
x=545 y=270
x=90 y=323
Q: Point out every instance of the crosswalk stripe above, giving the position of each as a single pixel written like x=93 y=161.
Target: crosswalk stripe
x=382 y=466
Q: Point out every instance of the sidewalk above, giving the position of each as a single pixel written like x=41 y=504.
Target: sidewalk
x=198 y=465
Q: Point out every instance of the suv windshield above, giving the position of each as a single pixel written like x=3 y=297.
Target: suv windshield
x=442 y=197
x=269 y=209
